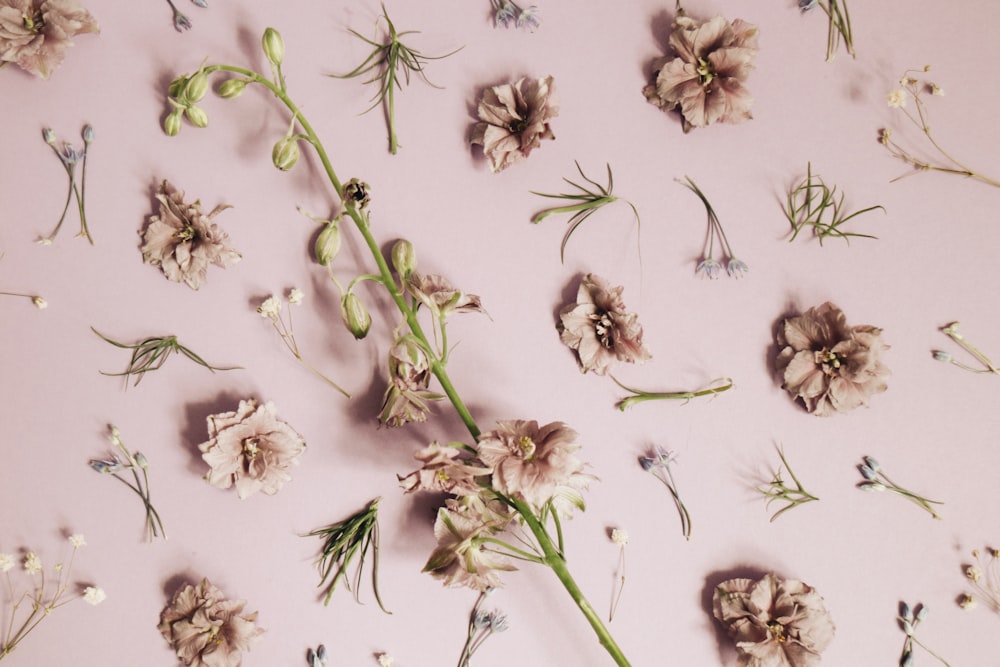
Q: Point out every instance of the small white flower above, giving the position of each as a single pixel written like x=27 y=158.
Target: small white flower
x=896 y=99
x=295 y=296
x=32 y=563
x=93 y=595
x=619 y=536
x=974 y=573
x=967 y=602
x=43 y=241
x=936 y=89
x=270 y=308
x=77 y=541
x=385 y=660
x=40 y=303
x=6 y=562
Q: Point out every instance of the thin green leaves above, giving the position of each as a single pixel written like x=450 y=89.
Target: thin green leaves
x=150 y=354
x=342 y=542
x=810 y=201
x=779 y=490
x=589 y=202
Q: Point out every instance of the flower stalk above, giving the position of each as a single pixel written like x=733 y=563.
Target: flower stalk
x=716 y=386
x=658 y=464
x=952 y=332
x=710 y=267
x=136 y=464
x=909 y=619
x=70 y=156
x=876 y=480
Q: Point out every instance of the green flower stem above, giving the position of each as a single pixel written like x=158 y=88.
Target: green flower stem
x=640 y=396
x=592 y=204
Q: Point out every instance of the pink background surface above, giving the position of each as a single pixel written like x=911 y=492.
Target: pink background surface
x=934 y=430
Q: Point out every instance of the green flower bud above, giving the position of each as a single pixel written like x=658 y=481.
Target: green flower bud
x=328 y=243
x=355 y=315
x=274 y=46
x=177 y=86
x=196 y=87
x=232 y=88
x=172 y=123
x=404 y=258
x=285 y=153
x=197 y=116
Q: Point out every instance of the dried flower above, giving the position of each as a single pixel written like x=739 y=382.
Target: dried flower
x=875 y=479
x=444 y=470
x=69 y=156
x=599 y=329
x=385 y=660
x=514 y=119
x=984 y=576
x=181 y=22
x=827 y=365
x=464 y=530
x=896 y=99
x=34 y=34
x=136 y=464
x=838 y=26
x=708 y=266
x=7 y=562
x=206 y=629
x=317 y=658
x=658 y=464
x=952 y=332
x=37 y=301
x=801 y=211
x=908 y=620
x=619 y=537
x=437 y=294
x=482 y=625
x=151 y=353
x=407 y=396
x=93 y=595
x=704 y=78
x=778 y=490
x=76 y=541
x=182 y=240
x=507 y=12
x=32 y=563
x=774 y=622
x=250 y=448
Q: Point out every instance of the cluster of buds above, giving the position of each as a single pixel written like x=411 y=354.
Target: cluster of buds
x=183 y=95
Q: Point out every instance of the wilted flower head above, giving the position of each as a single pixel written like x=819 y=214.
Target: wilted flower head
x=445 y=470
x=437 y=293
x=34 y=34
x=704 y=79
x=774 y=622
x=406 y=397
x=250 y=448
x=207 y=630
x=514 y=119
x=460 y=558
x=182 y=240
x=599 y=329
x=829 y=366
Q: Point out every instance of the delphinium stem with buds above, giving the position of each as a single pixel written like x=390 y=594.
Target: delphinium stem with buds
x=482 y=625
x=778 y=489
x=136 y=464
x=985 y=577
x=875 y=479
x=658 y=463
x=69 y=156
x=839 y=27
x=810 y=200
x=714 y=387
x=507 y=13
x=909 y=619
x=912 y=89
x=589 y=202
x=709 y=266
x=535 y=521
x=151 y=353
x=952 y=332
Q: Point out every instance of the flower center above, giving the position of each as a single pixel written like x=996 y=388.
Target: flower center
x=777 y=631
x=830 y=362
x=187 y=233
x=604 y=328
x=251 y=448
x=705 y=72
x=33 y=22
x=527 y=446
x=442 y=476
x=517 y=126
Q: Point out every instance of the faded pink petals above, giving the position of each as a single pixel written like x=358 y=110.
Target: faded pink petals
x=704 y=78
x=251 y=449
x=514 y=119
x=462 y=556
x=444 y=470
x=599 y=329
x=774 y=622
x=35 y=34
x=827 y=365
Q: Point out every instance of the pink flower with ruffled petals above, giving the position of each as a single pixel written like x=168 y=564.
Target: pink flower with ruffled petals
x=515 y=118
x=35 y=34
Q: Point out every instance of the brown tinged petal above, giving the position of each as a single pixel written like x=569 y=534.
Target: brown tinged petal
x=514 y=119
x=35 y=34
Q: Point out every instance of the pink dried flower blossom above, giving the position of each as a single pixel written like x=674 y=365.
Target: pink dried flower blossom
x=599 y=329
x=705 y=78
x=407 y=396
x=515 y=118
x=443 y=470
x=250 y=448
x=34 y=34
x=774 y=622
x=462 y=557
x=182 y=240
x=207 y=630
x=827 y=365
x=438 y=294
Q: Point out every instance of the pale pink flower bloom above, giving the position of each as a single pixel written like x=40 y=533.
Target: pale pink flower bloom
x=182 y=240
x=515 y=118
x=443 y=470
x=774 y=622
x=35 y=34
x=530 y=462
x=207 y=630
x=712 y=60
x=599 y=329
x=827 y=365
x=407 y=396
x=250 y=448
x=462 y=558
x=437 y=294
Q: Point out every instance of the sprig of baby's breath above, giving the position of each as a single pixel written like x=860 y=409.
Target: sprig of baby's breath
x=342 y=542
x=985 y=577
x=839 y=26
x=808 y=203
x=590 y=201
x=385 y=63
x=716 y=386
x=778 y=489
x=151 y=353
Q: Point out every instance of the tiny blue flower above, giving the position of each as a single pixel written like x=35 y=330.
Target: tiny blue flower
x=736 y=267
x=201 y=3
x=709 y=268
x=806 y=5
x=529 y=18
x=498 y=621
x=867 y=472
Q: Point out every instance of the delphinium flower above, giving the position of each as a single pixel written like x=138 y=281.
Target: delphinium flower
x=507 y=13
x=705 y=75
x=151 y=353
x=839 y=25
x=182 y=240
x=270 y=309
x=317 y=658
x=827 y=365
x=514 y=118
x=182 y=22
x=34 y=34
x=778 y=489
x=205 y=628
x=589 y=202
x=810 y=200
x=387 y=61
x=344 y=541
x=952 y=332
x=875 y=479
x=136 y=464
x=984 y=575
x=710 y=267
x=619 y=536
x=250 y=448
x=774 y=622
x=407 y=396
x=44 y=595
x=69 y=156
x=909 y=619
x=482 y=625
x=911 y=88
x=658 y=464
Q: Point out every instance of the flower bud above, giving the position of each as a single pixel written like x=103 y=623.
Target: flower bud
x=141 y=460
x=328 y=243
x=195 y=88
x=232 y=88
x=355 y=315
x=872 y=463
x=49 y=136
x=176 y=86
x=172 y=123
x=197 y=116
x=404 y=258
x=274 y=46
x=88 y=133
x=285 y=153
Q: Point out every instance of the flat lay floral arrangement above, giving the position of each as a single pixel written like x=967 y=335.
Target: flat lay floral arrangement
x=389 y=318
